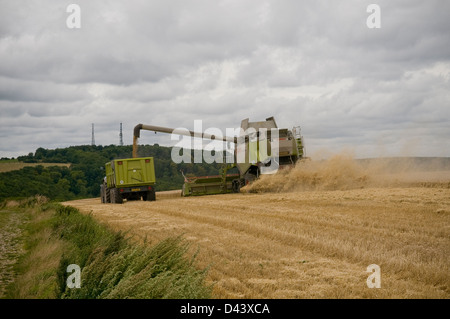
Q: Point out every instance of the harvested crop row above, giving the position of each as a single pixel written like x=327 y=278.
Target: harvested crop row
x=310 y=244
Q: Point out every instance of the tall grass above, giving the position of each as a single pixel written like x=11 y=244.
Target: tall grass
x=112 y=266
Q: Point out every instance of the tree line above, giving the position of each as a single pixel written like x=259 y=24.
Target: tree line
x=87 y=169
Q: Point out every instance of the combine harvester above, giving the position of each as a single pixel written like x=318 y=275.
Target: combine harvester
x=261 y=148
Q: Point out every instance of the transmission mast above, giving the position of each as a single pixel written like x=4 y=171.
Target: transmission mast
x=93 y=138
x=121 y=136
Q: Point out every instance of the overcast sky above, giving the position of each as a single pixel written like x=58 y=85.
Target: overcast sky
x=376 y=92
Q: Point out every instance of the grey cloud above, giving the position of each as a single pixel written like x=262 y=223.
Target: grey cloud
x=309 y=63
x=40 y=91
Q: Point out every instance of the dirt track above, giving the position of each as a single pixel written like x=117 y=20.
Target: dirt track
x=309 y=244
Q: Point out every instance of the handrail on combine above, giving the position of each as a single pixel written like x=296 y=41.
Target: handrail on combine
x=186 y=179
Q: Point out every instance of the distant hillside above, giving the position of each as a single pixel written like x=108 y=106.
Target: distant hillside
x=14 y=166
x=77 y=171
x=83 y=172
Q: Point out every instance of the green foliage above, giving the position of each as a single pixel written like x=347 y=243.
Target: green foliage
x=8 y=160
x=54 y=182
x=157 y=272
x=86 y=171
x=111 y=265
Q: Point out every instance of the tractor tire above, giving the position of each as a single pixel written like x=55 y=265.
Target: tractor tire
x=236 y=186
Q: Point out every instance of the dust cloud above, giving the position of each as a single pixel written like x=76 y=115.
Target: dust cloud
x=344 y=172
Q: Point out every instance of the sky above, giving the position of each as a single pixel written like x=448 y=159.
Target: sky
x=316 y=64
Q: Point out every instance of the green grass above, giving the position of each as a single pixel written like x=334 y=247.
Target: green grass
x=112 y=266
x=8 y=160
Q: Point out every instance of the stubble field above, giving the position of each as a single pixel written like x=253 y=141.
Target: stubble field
x=313 y=239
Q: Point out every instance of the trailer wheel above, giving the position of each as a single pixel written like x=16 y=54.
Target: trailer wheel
x=149 y=196
x=112 y=196
x=152 y=195
x=102 y=193
x=116 y=198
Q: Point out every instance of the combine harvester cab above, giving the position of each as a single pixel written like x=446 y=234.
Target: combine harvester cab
x=130 y=179
x=255 y=147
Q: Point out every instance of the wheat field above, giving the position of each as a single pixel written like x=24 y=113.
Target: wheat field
x=305 y=243
x=310 y=245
